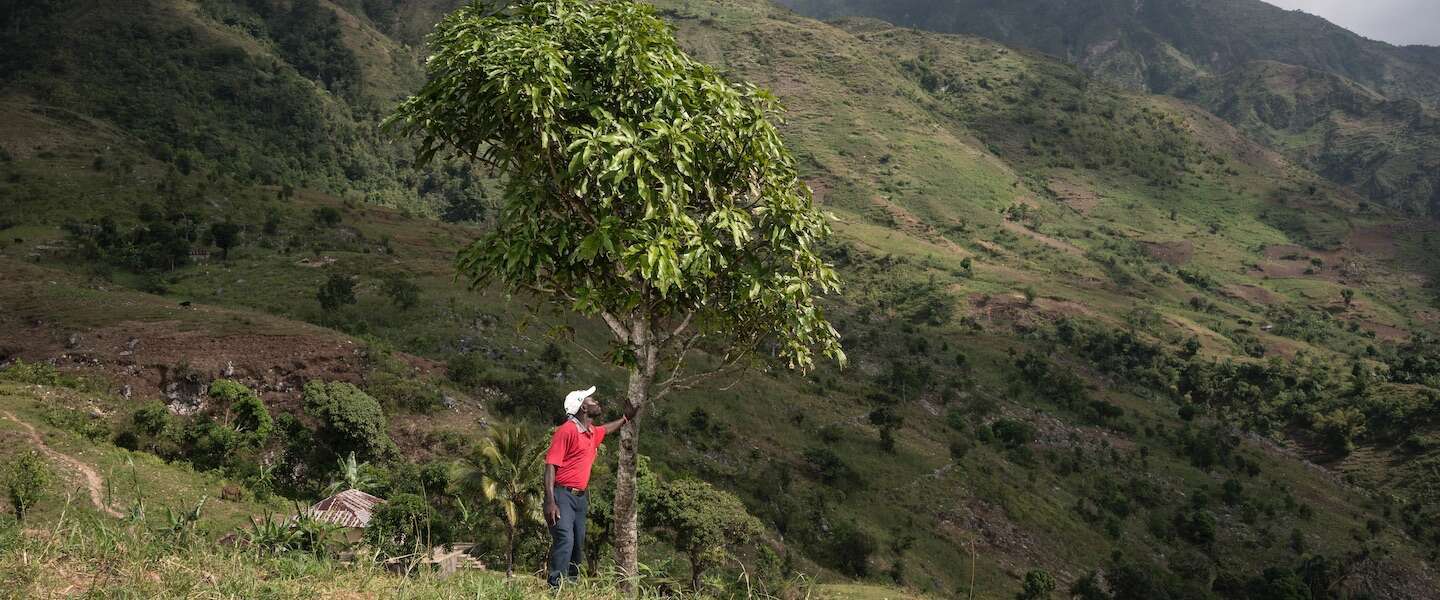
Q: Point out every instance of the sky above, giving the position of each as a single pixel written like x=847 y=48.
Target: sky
x=1395 y=21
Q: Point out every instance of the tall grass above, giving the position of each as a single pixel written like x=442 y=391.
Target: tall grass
x=84 y=555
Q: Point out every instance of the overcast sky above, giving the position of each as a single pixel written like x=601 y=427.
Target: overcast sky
x=1395 y=21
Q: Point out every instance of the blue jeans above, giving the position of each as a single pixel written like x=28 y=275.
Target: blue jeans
x=568 y=533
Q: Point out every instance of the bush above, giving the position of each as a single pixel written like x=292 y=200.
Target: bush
x=704 y=522
x=245 y=412
x=402 y=291
x=830 y=468
x=848 y=549
x=338 y=290
x=26 y=482
x=1011 y=433
x=35 y=373
x=400 y=526
x=350 y=420
x=1038 y=585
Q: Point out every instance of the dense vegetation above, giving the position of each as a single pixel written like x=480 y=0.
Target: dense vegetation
x=1100 y=343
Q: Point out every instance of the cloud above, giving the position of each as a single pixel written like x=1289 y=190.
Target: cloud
x=1394 y=21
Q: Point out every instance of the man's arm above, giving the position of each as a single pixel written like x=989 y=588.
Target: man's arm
x=552 y=511
x=613 y=425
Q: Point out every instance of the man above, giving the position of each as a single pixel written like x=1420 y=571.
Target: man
x=567 y=475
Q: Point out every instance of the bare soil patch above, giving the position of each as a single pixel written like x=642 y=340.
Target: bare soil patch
x=1176 y=253
x=1252 y=293
x=1075 y=195
x=1055 y=243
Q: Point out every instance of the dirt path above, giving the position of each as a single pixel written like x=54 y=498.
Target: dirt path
x=92 y=479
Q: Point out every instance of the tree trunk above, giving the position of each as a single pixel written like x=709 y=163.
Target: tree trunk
x=509 y=551
x=624 y=522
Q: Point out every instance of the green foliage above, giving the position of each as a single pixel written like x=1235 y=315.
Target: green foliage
x=26 y=481
x=626 y=181
x=1037 y=585
x=507 y=472
x=337 y=291
x=402 y=291
x=243 y=409
x=350 y=420
x=401 y=526
x=352 y=474
x=704 y=522
x=34 y=373
x=225 y=235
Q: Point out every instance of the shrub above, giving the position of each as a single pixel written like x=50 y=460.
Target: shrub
x=1011 y=433
x=326 y=216
x=26 y=482
x=35 y=373
x=830 y=468
x=704 y=522
x=244 y=410
x=402 y=291
x=400 y=526
x=1038 y=585
x=350 y=420
x=338 y=290
x=848 y=548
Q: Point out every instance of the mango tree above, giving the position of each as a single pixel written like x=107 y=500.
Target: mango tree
x=641 y=188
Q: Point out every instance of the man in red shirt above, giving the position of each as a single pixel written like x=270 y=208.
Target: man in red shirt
x=567 y=475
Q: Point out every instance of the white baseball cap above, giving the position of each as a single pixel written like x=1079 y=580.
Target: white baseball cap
x=575 y=398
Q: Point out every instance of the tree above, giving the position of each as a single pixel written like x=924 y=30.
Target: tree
x=244 y=411
x=399 y=526
x=704 y=522
x=508 y=470
x=402 y=291
x=1348 y=295
x=350 y=420
x=225 y=235
x=1038 y=585
x=640 y=188
x=353 y=475
x=26 y=482
x=337 y=291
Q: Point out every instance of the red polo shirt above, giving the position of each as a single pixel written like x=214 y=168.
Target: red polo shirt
x=573 y=453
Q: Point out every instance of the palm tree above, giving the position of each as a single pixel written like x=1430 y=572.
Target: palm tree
x=353 y=476
x=507 y=470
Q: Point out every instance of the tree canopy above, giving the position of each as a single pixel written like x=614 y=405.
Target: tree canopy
x=638 y=181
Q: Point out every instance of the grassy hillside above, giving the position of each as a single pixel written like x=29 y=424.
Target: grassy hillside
x=1357 y=111
x=1092 y=331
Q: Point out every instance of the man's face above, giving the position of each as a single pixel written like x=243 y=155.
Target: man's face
x=591 y=407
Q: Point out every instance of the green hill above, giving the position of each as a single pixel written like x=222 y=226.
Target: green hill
x=1358 y=111
x=1092 y=331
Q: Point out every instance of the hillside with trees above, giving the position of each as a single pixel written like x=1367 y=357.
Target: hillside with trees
x=1099 y=341
x=1358 y=111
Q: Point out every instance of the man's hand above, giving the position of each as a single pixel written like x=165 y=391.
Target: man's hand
x=552 y=513
x=631 y=411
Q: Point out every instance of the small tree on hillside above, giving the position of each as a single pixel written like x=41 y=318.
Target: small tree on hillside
x=1348 y=295
x=705 y=523
x=225 y=235
x=402 y=291
x=338 y=290
x=641 y=189
x=350 y=420
x=508 y=470
x=26 y=482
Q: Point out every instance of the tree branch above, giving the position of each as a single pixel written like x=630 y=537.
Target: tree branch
x=617 y=327
x=685 y=383
x=679 y=329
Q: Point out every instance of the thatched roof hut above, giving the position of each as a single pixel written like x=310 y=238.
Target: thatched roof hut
x=350 y=508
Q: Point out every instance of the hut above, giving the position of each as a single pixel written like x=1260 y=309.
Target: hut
x=350 y=509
